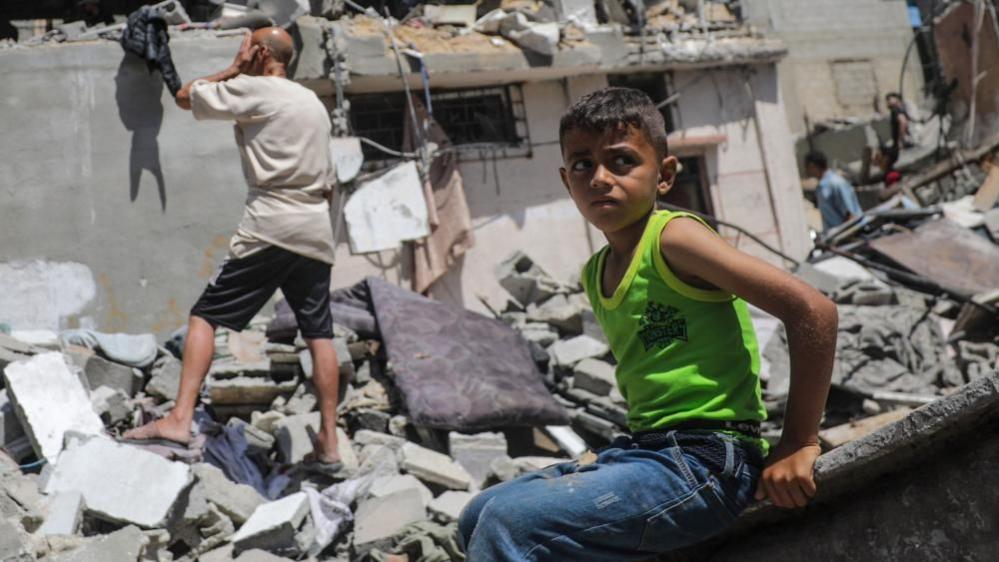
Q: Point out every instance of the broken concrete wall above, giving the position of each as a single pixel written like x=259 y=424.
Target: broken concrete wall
x=520 y=203
x=843 y=55
x=102 y=151
x=116 y=205
x=752 y=185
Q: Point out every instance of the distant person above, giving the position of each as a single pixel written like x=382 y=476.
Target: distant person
x=836 y=199
x=285 y=239
x=900 y=134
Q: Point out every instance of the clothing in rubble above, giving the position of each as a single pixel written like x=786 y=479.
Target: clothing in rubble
x=146 y=37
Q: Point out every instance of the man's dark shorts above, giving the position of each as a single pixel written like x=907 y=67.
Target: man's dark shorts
x=242 y=286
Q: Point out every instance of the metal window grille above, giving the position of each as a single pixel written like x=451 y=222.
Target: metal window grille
x=482 y=122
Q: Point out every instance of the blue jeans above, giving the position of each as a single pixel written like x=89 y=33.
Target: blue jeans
x=629 y=504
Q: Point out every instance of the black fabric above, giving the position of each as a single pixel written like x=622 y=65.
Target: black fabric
x=350 y=307
x=454 y=369
x=242 y=286
x=146 y=36
x=750 y=428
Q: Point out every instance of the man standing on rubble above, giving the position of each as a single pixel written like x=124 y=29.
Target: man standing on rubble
x=284 y=240
x=836 y=199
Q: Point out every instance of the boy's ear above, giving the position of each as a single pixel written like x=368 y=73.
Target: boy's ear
x=564 y=174
x=667 y=174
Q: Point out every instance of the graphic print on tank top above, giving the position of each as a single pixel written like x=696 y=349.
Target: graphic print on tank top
x=661 y=325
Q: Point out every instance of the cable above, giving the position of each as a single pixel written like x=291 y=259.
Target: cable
x=750 y=235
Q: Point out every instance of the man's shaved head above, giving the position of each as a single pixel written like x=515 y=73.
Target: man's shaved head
x=277 y=41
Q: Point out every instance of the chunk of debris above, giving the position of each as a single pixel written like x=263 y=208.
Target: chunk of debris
x=475 y=453
x=64 y=513
x=115 y=481
x=388 y=485
x=568 y=353
x=594 y=376
x=238 y=501
x=273 y=525
x=378 y=519
x=124 y=544
x=447 y=507
x=431 y=466
x=49 y=401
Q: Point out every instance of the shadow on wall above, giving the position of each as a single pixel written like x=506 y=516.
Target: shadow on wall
x=138 y=93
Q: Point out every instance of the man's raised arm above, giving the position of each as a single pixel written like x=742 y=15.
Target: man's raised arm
x=244 y=58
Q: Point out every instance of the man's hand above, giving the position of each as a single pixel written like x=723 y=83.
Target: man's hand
x=787 y=480
x=244 y=58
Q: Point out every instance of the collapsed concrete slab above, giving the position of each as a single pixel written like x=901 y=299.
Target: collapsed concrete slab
x=273 y=525
x=119 y=482
x=920 y=489
x=49 y=401
x=388 y=485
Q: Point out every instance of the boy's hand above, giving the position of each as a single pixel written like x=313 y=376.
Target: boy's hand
x=787 y=479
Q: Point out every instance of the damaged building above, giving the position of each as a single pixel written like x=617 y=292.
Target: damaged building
x=105 y=140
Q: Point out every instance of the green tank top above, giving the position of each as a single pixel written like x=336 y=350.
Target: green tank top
x=682 y=352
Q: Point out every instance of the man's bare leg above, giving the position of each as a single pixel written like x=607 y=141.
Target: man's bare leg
x=199 y=348
x=326 y=377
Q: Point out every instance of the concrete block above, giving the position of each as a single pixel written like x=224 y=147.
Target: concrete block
x=594 y=424
x=476 y=452
x=248 y=390
x=431 y=466
x=101 y=372
x=125 y=544
x=365 y=437
x=378 y=459
x=257 y=440
x=221 y=554
x=164 y=380
x=273 y=524
x=237 y=501
x=526 y=282
x=370 y=419
x=20 y=500
x=388 y=485
x=567 y=353
x=257 y=555
x=378 y=519
x=594 y=376
x=64 y=513
x=447 y=507
x=560 y=312
x=119 y=482
x=110 y=404
x=293 y=439
x=49 y=401
x=265 y=421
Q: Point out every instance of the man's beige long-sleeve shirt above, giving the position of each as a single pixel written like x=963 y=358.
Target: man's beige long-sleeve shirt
x=283 y=132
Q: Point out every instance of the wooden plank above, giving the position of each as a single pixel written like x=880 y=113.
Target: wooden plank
x=988 y=193
x=851 y=431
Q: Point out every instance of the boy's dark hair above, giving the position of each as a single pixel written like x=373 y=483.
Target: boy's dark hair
x=615 y=107
x=895 y=95
x=818 y=159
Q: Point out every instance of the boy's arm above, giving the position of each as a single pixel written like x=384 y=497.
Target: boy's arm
x=700 y=257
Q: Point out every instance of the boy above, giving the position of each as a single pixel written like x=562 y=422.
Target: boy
x=667 y=291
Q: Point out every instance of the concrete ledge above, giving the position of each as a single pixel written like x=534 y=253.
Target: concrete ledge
x=862 y=481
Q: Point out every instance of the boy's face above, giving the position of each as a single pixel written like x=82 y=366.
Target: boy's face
x=614 y=176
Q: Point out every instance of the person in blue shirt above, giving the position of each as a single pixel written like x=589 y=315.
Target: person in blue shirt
x=836 y=199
